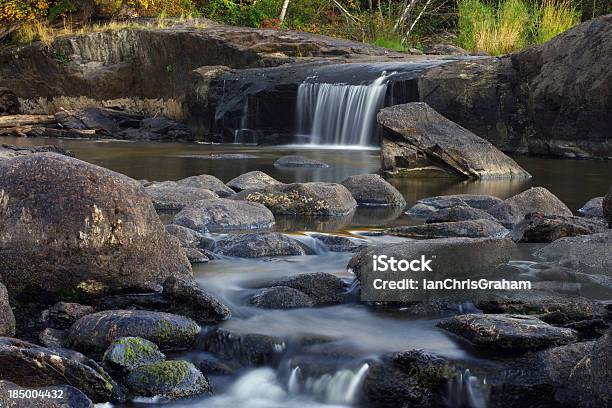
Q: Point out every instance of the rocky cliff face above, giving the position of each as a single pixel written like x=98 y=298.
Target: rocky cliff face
x=553 y=99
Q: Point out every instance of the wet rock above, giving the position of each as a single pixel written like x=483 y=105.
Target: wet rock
x=586 y=253
x=63 y=314
x=214 y=366
x=482 y=202
x=589 y=329
x=514 y=209
x=189 y=238
x=450 y=258
x=197 y=256
x=252 y=179
x=105 y=122
x=471 y=229
x=9 y=103
x=321 y=199
x=52 y=338
x=299 y=161
x=95 y=332
x=607 y=206
x=509 y=332
x=338 y=243
x=459 y=213
x=246 y=348
x=71 y=397
x=537 y=227
x=128 y=353
x=261 y=244
x=222 y=215
x=322 y=288
x=281 y=297
x=592 y=208
x=411 y=378
x=166 y=127
x=418 y=137
x=169 y=379
x=202 y=305
x=89 y=231
x=371 y=189
x=29 y=365
x=7 y=318
x=208 y=182
x=176 y=197
x=444 y=49
x=8 y=151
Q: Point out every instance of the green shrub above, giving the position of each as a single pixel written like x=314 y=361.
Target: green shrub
x=553 y=18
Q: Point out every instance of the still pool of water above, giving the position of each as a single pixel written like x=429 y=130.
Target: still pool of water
x=364 y=333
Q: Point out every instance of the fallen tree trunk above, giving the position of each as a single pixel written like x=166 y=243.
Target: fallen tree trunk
x=24 y=120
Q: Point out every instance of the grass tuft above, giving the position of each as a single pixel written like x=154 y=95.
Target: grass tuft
x=555 y=17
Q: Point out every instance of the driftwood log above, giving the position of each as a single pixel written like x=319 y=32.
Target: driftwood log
x=12 y=121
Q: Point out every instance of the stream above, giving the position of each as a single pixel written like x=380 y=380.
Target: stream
x=359 y=333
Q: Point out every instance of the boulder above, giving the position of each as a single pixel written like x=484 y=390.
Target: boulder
x=128 y=353
x=407 y=379
x=71 y=397
x=245 y=348
x=459 y=213
x=252 y=179
x=260 y=244
x=321 y=199
x=189 y=238
x=323 y=288
x=9 y=103
x=281 y=297
x=471 y=229
x=222 y=215
x=7 y=318
x=507 y=332
x=52 y=338
x=607 y=207
x=168 y=379
x=63 y=314
x=28 y=365
x=339 y=243
x=299 y=161
x=446 y=257
x=196 y=255
x=537 y=227
x=8 y=151
x=592 y=208
x=89 y=230
x=208 y=182
x=514 y=209
x=95 y=332
x=371 y=189
x=479 y=201
x=444 y=49
x=203 y=306
x=172 y=197
x=585 y=253
x=425 y=139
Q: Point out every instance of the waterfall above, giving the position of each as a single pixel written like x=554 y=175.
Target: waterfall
x=340 y=114
x=465 y=391
x=340 y=388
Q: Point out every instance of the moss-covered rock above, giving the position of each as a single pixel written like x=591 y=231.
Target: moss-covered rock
x=95 y=332
x=169 y=379
x=128 y=353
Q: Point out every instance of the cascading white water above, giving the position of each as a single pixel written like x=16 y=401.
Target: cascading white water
x=339 y=388
x=340 y=114
x=464 y=390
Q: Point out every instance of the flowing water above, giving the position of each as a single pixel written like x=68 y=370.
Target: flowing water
x=359 y=333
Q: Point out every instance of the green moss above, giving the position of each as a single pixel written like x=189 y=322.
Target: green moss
x=137 y=349
x=164 y=373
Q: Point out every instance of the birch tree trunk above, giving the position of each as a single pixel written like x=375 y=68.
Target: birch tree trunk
x=284 y=11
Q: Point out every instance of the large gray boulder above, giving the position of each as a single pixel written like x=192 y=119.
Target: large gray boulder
x=587 y=253
x=257 y=245
x=281 y=297
x=7 y=318
x=170 y=196
x=168 y=379
x=319 y=199
x=128 y=353
x=252 y=179
x=322 y=288
x=471 y=229
x=417 y=137
x=299 y=161
x=29 y=365
x=593 y=208
x=514 y=209
x=371 y=189
x=94 y=333
x=9 y=151
x=89 y=230
x=222 y=214
x=207 y=182
x=537 y=227
x=510 y=332
x=446 y=257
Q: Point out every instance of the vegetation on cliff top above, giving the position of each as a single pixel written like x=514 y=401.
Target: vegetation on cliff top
x=491 y=26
